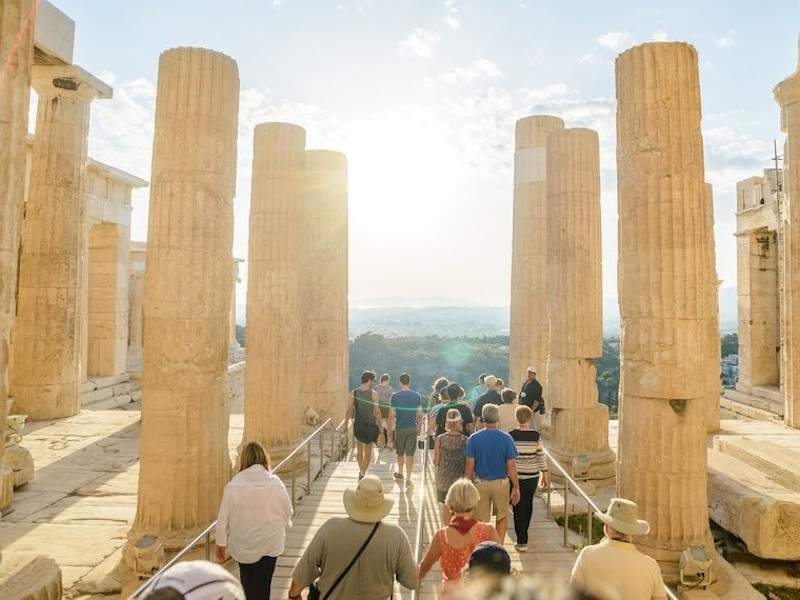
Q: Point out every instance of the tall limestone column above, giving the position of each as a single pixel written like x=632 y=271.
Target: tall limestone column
x=135 y=318
x=323 y=284
x=48 y=334
x=787 y=94
x=184 y=460
x=664 y=237
x=528 y=344
x=579 y=424
x=272 y=400
x=713 y=350
x=17 y=18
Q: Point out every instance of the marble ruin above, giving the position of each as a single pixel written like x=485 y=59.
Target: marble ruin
x=272 y=380
x=323 y=284
x=664 y=235
x=579 y=423
x=528 y=339
x=187 y=299
x=91 y=320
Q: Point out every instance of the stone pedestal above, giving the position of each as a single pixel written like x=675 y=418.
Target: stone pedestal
x=47 y=336
x=787 y=94
x=323 y=284
x=184 y=461
x=16 y=57
x=528 y=343
x=664 y=240
x=272 y=399
x=579 y=425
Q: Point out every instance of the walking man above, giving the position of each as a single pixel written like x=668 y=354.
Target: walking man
x=385 y=391
x=491 y=463
x=490 y=396
x=366 y=418
x=477 y=391
x=406 y=413
x=531 y=396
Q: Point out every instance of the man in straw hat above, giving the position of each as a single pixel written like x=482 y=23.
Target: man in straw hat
x=381 y=550
x=614 y=568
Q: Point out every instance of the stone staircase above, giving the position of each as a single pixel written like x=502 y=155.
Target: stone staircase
x=754 y=486
x=103 y=393
x=762 y=403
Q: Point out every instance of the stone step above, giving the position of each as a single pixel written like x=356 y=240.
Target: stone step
x=751 y=406
x=745 y=501
x=770 y=392
x=96 y=383
x=778 y=463
x=119 y=392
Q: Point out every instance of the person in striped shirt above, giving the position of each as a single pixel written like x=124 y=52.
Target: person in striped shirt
x=532 y=470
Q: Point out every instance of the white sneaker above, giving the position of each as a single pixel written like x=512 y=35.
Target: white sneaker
x=521 y=547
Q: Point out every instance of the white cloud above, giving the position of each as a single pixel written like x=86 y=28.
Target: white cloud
x=727 y=41
x=420 y=43
x=277 y=2
x=660 y=36
x=480 y=68
x=616 y=40
x=548 y=92
x=452 y=22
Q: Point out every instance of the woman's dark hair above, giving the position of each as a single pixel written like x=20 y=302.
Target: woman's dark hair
x=367 y=376
x=454 y=392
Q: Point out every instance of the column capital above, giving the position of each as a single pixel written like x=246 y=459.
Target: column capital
x=68 y=79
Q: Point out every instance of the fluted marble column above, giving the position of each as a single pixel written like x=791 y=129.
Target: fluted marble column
x=787 y=94
x=664 y=236
x=579 y=424
x=17 y=19
x=713 y=351
x=323 y=283
x=47 y=338
x=136 y=316
x=272 y=401
x=528 y=343
x=184 y=460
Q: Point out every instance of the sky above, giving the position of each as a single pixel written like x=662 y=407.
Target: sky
x=422 y=96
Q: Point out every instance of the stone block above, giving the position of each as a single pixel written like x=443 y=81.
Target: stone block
x=39 y=579
x=749 y=504
x=20 y=461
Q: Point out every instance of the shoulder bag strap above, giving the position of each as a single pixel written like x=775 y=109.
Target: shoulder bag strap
x=352 y=562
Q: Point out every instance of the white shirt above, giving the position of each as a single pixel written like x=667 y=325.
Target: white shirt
x=253 y=516
x=508 y=416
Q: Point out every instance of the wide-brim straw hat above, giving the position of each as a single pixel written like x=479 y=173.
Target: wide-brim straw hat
x=622 y=516
x=367 y=503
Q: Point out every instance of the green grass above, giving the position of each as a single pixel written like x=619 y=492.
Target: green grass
x=577 y=523
x=777 y=593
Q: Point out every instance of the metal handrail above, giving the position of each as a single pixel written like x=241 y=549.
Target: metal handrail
x=423 y=492
x=205 y=535
x=570 y=482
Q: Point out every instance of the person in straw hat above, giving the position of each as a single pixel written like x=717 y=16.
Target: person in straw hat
x=615 y=568
x=358 y=556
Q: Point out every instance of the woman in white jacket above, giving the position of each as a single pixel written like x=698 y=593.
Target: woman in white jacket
x=252 y=521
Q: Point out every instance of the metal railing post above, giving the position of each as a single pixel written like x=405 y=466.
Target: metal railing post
x=308 y=469
x=208 y=546
x=321 y=453
x=566 y=510
x=333 y=434
x=294 y=487
x=588 y=525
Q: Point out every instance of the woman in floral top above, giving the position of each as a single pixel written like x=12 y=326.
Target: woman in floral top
x=449 y=456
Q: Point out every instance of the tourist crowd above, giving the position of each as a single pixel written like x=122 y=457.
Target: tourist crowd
x=488 y=462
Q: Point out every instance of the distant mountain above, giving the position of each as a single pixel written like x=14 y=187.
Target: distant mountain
x=445 y=317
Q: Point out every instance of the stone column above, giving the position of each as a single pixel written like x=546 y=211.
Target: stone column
x=664 y=237
x=579 y=423
x=135 y=321
x=47 y=337
x=235 y=353
x=323 y=284
x=528 y=344
x=787 y=94
x=108 y=299
x=16 y=57
x=713 y=350
x=184 y=460
x=272 y=400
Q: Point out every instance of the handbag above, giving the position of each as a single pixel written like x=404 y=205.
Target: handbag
x=313 y=589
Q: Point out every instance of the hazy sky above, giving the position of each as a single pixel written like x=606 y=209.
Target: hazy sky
x=423 y=96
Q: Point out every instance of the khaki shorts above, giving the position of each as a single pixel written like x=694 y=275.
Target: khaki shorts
x=405 y=441
x=495 y=496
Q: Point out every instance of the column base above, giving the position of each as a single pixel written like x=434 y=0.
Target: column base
x=37 y=579
x=20 y=462
x=601 y=471
x=6 y=489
